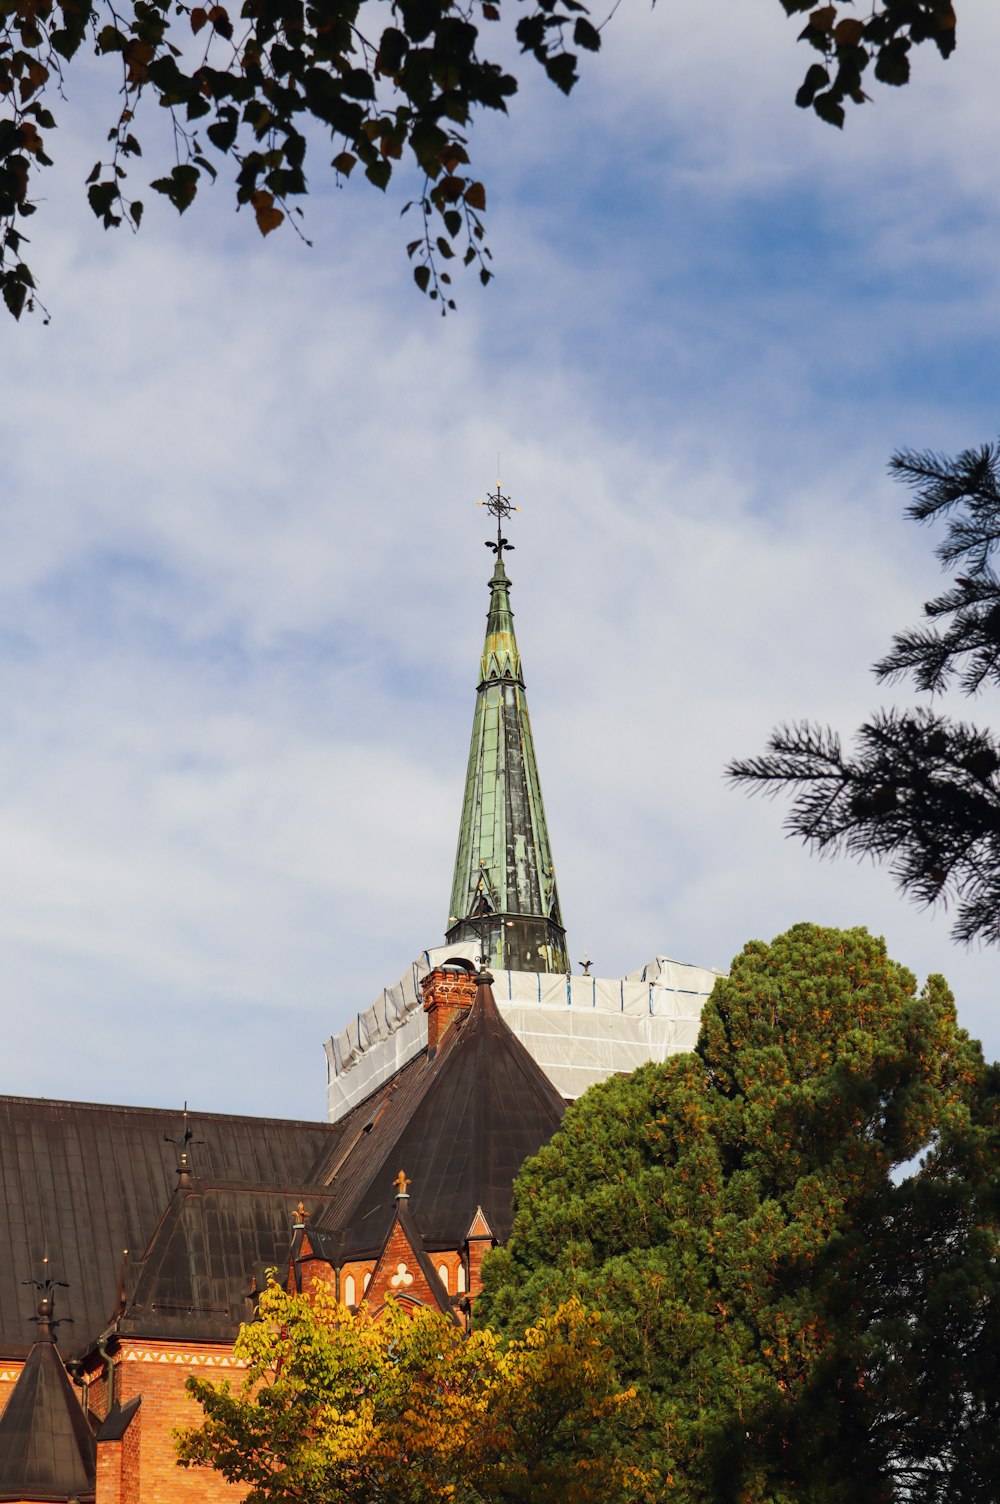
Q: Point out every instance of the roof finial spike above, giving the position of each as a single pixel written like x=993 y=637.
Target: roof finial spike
x=181 y=1144
x=402 y=1185
x=45 y=1310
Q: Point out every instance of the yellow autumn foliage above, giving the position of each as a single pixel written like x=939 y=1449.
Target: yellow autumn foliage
x=342 y=1409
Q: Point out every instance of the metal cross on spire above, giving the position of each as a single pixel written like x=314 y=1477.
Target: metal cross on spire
x=499 y=506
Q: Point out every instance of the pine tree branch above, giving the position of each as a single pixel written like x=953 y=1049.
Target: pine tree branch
x=922 y=794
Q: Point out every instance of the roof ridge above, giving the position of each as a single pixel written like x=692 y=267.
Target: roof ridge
x=121 y=1107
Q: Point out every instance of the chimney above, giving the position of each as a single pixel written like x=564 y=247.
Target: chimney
x=448 y=992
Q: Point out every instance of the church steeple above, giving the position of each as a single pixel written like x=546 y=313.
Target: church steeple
x=504 y=890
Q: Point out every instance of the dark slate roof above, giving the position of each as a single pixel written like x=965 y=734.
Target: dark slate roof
x=47 y=1449
x=460 y=1123
x=81 y=1182
x=195 y=1279
x=118 y=1420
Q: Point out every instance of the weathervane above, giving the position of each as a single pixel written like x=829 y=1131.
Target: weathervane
x=183 y=1162
x=46 y=1287
x=499 y=506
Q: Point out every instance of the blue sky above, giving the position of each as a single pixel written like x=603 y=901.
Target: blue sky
x=242 y=581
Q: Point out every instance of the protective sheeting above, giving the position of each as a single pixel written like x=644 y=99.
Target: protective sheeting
x=579 y=1029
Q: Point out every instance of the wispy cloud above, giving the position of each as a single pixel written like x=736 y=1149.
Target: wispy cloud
x=242 y=582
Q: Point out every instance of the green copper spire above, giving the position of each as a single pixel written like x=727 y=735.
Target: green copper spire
x=504 y=892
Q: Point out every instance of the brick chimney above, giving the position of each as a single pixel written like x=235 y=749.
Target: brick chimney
x=448 y=992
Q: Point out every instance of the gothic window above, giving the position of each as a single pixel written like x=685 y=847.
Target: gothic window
x=461 y=1278
x=443 y=1274
x=350 y=1295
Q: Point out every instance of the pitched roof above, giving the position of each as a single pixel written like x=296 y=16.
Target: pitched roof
x=47 y=1449
x=195 y=1277
x=81 y=1182
x=460 y=1123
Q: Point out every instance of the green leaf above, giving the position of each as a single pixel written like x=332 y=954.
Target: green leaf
x=828 y=109
x=222 y=132
x=422 y=277
x=562 y=70
x=180 y=187
x=358 y=83
x=586 y=35
x=816 y=78
x=66 y=41
x=379 y=173
x=101 y=197
x=14 y=294
x=392 y=49
x=428 y=142
x=892 y=66
x=110 y=39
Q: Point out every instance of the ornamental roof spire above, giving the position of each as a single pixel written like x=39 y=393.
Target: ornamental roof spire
x=504 y=890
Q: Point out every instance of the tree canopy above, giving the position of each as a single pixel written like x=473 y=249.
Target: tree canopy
x=923 y=791
x=804 y=1317
x=382 y=82
x=340 y=1409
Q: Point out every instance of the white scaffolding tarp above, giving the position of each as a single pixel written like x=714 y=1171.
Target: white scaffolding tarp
x=580 y=1029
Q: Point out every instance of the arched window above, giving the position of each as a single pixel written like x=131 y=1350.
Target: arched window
x=443 y=1274
x=461 y=1278
x=349 y=1291
x=368 y=1278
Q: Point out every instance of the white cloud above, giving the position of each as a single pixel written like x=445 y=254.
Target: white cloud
x=242 y=584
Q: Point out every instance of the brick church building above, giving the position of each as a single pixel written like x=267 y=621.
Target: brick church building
x=133 y=1239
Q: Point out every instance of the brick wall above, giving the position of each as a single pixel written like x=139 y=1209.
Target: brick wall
x=478 y=1249
x=397 y=1252
x=142 y=1468
x=118 y=1466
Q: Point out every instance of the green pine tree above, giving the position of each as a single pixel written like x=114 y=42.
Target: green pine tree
x=808 y=1312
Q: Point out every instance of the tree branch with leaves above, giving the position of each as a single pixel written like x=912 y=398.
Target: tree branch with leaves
x=338 y=1408
x=385 y=81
